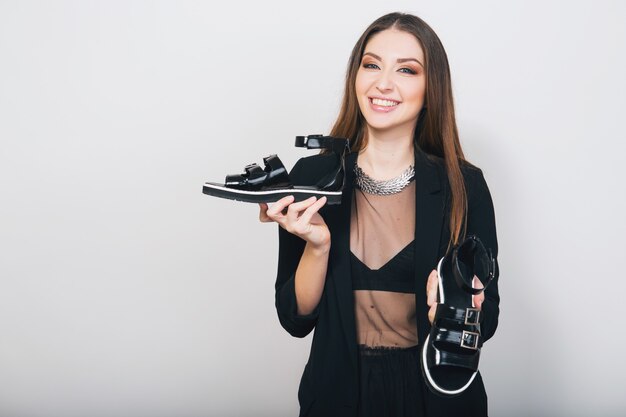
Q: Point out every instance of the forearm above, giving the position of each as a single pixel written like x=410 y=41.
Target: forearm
x=310 y=278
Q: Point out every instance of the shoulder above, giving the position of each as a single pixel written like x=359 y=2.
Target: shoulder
x=469 y=171
x=475 y=184
x=473 y=178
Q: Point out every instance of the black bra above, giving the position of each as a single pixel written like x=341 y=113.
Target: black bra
x=396 y=275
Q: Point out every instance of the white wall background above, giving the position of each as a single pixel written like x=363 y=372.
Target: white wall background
x=124 y=291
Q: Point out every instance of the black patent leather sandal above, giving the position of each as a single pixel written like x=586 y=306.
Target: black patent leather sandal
x=451 y=352
x=270 y=184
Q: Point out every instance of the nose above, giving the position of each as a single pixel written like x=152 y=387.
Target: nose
x=385 y=83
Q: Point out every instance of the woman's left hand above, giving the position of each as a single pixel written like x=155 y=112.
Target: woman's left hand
x=432 y=286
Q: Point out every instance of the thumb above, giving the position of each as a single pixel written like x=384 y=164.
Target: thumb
x=478 y=298
x=431 y=288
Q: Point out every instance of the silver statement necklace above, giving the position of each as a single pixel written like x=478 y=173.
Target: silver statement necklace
x=385 y=187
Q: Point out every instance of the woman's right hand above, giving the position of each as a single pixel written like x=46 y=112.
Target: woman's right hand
x=301 y=219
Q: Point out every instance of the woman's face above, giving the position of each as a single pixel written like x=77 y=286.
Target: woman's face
x=391 y=70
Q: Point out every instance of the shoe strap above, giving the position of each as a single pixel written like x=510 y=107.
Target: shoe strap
x=321 y=142
x=464 y=338
x=253 y=174
x=256 y=178
x=456 y=270
x=273 y=162
x=277 y=174
x=446 y=358
x=253 y=171
x=464 y=316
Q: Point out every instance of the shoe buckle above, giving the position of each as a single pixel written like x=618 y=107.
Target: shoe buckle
x=469 y=340
x=472 y=316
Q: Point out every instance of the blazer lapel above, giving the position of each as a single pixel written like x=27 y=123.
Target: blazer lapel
x=341 y=266
x=429 y=215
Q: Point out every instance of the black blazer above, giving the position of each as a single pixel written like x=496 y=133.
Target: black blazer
x=329 y=383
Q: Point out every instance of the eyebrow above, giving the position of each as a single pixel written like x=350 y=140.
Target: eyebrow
x=400 y=60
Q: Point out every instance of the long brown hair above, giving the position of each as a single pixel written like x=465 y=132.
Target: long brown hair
x=435 y=131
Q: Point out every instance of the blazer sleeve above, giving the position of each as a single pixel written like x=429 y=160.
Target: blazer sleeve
x=482 y=223
x=290 y=249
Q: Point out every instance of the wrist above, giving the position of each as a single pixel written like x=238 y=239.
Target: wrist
x=318 y=249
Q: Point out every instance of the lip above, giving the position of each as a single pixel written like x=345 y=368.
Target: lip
x=382 y=109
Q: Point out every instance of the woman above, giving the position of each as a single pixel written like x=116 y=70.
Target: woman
x=362 y=274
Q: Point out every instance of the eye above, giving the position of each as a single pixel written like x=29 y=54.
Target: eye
x=408 y=70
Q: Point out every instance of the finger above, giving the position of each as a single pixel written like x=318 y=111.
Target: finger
x=431 y=288
x=477 y=282
x=478 y=301
x=263 y=213
x=294 y=209
x=302 y=205
x=290 y=212
x=431 y=313
x=311 y=210
x=478 y=298
x=274 y=211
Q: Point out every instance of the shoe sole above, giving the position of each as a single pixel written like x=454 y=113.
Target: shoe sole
x=430 y=381
x=269 y=196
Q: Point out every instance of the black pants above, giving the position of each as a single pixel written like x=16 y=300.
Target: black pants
x=390 y=382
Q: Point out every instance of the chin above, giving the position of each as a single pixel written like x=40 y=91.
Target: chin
x=386 y=125
x=381 y=127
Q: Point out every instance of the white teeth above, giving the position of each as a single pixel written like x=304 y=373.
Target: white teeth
x=386 y=103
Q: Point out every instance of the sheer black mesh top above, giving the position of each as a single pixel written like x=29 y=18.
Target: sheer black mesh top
x=396 y=275
x=382 y=229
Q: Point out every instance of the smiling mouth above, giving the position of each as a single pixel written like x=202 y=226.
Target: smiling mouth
x=383 y=103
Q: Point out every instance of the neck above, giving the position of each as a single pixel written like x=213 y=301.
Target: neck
x=387 y=153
